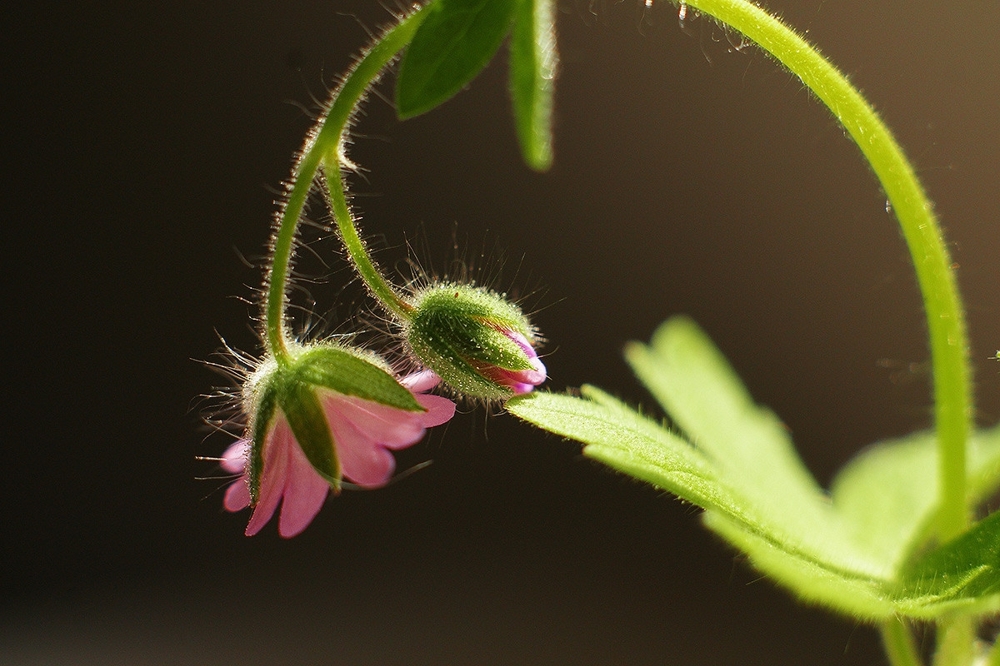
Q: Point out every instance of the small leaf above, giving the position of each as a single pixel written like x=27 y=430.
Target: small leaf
x=533 y=63
x=453 y=44
x=348 y=374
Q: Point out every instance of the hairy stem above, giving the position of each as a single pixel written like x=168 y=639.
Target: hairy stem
x=898 y=642
x=324 y=149
x=342 y=108
x=282 y=245
x=378 y=285
x=943 y=307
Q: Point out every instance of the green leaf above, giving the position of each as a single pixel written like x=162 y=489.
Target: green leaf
x=533 y=63
x=962 y=575
x=758 y=496
x=346 y=373
x=887 y=494
x=630 y=443
x=748 y=445
x=452 y=45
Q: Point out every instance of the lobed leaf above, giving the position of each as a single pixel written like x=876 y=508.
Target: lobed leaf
x=849 y=551
x=749 y=446
x=452 y=45
x=887 y=493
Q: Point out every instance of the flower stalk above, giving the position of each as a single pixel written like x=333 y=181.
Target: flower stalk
x=324 y=150
x=476 y=341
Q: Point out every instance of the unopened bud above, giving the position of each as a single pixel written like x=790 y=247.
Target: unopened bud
x=478 y=342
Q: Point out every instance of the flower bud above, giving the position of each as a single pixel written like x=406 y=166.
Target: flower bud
x=330 y=412
x=478 y=342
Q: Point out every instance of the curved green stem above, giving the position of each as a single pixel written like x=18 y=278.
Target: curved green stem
x=945 y=316
x=332 y=135
x=324 y=150
x=378 y=285
x=282 y=244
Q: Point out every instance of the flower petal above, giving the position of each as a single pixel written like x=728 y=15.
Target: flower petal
x=420 y=382
x=305 y=492
x=362 y=460
x=439 y=410
x=234 y=459
x=275 y=470
x=389 y=426
x=237 y=495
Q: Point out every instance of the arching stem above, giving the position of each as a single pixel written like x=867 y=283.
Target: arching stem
x=942 y=304
x=915 y=213
x=324 y=149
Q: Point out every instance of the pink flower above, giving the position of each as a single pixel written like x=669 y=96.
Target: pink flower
x=518 y=381
x=363 y=432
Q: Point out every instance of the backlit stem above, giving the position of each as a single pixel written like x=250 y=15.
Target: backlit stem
x=324 y=150
x=915 y=213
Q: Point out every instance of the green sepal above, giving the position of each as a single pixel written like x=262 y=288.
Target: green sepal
x=453 y=44
x=533 y=63
x=300 y=405
x=347 y=373
x=456 y=329
x=263 y=408
x=439 y=355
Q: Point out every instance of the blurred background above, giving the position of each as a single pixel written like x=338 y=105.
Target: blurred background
x=144 y=145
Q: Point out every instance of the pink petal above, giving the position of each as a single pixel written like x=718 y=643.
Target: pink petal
x=389 y=426
x=234 y=459
x=439 y=410
x=523 y=381
x=519 y=388
x=538 y=375
x=421 y=382
x=237 y=495
x=521 y=341
x=305 y=492
x=275 y=470
x=362 y=460
x=519 y=381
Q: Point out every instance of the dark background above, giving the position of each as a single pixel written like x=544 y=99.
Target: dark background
x=144 y=145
